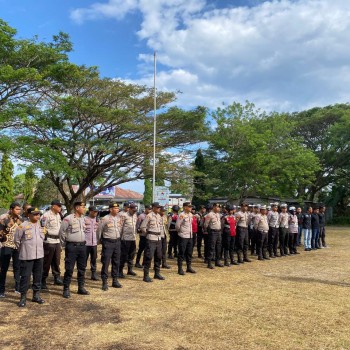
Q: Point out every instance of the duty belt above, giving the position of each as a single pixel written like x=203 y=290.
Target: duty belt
x=76 y=243
x=153 y=233
x=263 y=231
x=215 y=230
x=52 y=236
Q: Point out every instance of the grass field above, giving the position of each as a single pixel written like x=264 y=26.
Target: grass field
x=297 y=302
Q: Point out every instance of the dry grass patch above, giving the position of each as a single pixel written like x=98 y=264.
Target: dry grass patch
x=297 y=302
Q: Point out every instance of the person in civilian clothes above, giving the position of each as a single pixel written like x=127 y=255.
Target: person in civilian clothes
x=151 y=226
x=108 y=233
x=283 y=222
x=307 y=229
x=228 y=224
x=128 y=240
x=72 y=237
x=185 y=239
x=273 y=219
x=200 y=221
x=194 y=227
x=293 y=231
x=212 y=224
x=25 y=215
x=163 y=234
x=242 y=234
x=143 y=240
x=51 y=220
x=91 y=224
x=322 y=221
x=8 y=225
x=29 y=239
x=261 y=227
x=173 y=241
x=315 y=228
x=300 y=225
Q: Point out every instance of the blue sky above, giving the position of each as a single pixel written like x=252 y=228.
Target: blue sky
x=283 y=55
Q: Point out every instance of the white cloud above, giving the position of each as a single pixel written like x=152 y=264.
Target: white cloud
x=281 y=55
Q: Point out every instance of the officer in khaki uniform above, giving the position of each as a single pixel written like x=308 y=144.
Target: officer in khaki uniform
x=273 y=220
x=51 y=220
x=283 y=223
x=143 y=240
x=185 y=241
x=261 y=227
x=72 y=237
x=242 y=242
x=29 y=239
x=108 y=233
x=151 y=226
x=212 y=225
x=128 y=239
x=163 y=234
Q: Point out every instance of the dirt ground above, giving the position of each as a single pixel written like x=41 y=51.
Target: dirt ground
x=296 y=302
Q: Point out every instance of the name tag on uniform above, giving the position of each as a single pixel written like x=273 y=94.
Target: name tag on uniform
x=110 y=225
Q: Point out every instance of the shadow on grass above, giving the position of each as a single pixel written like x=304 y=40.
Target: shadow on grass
x=311 y=280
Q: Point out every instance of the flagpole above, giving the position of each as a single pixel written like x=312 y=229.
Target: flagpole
x=154 y=126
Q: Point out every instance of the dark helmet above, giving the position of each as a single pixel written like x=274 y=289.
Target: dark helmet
x=193 y=207
x=228 y=207
x=175 y=208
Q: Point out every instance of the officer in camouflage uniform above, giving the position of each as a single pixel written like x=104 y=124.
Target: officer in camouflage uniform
x=72 y=237
x=29 y=239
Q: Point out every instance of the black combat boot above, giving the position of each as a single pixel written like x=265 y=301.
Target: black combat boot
x=166 y=266
x=138 y=265
x=189 y=269
x=43 y=284
x=226 y=260
x=180 y=271
x=218 y=263
x=116 y=283
x=170 y=256
x=158 y=276
x=210 y=264
x=104 y=285
x=232 y=258
x=240 y=260
x=57 y=281
x=82 y=290
x=23 y=301
x=146 y=277
x=36 y=298
x=245 y=257
x=130 y=271
x=121 y=273
x=66 y=292
x=94 y=276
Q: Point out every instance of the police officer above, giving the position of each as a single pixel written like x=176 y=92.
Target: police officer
x=8 y=225
x=253 y=233
x=212 y=224
x=322 y=223
x=185 y=241
x=293 y=231
x=128 y=240
x=242 y=234
x=200 y=221
x=163 y=234
x=108 y=233
x=151 y=226
x=72 y=237
x=91 y=224
x=228 y=224
x=51 y=220
x=143 y=240
x=29 y=239
x=205 y=230
x=273 y=219
x=173 y=241
x=283 y=223
x=261 y=227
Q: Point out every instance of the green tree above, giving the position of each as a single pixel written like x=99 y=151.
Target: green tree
x=45 y=192
x=6 y=181
x=18 y=183
x=199 y=188
x=148 y=193
x=30 y=181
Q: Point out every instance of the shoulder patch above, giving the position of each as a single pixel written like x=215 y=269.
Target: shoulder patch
x=182 y=216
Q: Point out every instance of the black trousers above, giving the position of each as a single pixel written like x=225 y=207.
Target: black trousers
x=215 y=244
x=74 y=253
x=253 y=240
x=153 y=250
x=194 y=240
x=262 y=240
x=27 y=268
x=206 y=245
x=110 y=253
x=5 y=256
x=228 y=243
x=142 y=247
x=127 y=253
x=52 y=258
x=242 y=242
x=293 y=241
x=164 y=249
x=283 y=237
x=173 y=242
x=91 y=251
x=185 y=251
x=199 y=242
x=322 y=236
x=273 y=240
